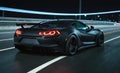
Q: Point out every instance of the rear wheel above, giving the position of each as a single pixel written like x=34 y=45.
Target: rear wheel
x=71 y=45
x=100 y=39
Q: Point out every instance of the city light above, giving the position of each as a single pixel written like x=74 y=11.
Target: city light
x=54 y=13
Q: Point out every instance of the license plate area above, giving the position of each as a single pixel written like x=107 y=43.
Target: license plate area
x=29 y=41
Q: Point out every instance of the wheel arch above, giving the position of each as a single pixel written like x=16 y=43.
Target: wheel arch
x=77 y=36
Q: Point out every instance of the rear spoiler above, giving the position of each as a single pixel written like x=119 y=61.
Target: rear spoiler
x=26 y=24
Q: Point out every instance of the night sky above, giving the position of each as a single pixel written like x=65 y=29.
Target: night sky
x=68 y=6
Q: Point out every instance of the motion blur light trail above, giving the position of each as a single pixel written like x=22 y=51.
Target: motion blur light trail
x=53 y=13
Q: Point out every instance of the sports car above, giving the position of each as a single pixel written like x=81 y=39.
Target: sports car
x=67 y=36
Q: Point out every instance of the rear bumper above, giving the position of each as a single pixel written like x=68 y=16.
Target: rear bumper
x=53 y=44
x=37 y=45
x=55 y=47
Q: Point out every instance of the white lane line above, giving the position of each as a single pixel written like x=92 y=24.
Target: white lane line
x=46 y=64
x=6 y=39
x=35 y=70
x=7 y=49
x=6 y=32
x=112 y=39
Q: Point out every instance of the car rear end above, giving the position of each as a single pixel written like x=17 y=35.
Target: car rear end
x=41 y=37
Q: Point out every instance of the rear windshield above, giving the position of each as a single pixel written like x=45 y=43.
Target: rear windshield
x=53 y=24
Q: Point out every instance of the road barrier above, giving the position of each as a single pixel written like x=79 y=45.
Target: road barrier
x=8 y=23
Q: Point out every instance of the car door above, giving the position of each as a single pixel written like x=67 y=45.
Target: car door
x=84 y=35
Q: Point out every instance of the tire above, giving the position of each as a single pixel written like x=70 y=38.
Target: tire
x=100 y=39
x=71 y=47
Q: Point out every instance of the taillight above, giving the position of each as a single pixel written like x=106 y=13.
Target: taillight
x=18 y=32
x=49 y=33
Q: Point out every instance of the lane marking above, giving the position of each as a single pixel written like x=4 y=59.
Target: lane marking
x=6 y=39
x=39 y=68
x=7 y=49
x=46 y=64
x=112 y=39
x=6 y=32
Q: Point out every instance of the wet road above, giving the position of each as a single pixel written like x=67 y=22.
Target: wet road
x=105 y=59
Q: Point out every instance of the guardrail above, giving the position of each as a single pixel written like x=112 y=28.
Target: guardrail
x=8 y=23
x=13 y=19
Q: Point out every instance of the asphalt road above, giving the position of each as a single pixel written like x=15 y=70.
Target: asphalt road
x=105 y=59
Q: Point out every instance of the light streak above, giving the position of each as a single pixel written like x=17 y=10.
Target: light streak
x=54 y=13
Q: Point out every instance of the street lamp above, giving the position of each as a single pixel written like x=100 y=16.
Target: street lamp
x=85 y=16
x=3 y=13
x=80 y=7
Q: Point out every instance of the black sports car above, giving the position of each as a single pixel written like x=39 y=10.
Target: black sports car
x=66 y=36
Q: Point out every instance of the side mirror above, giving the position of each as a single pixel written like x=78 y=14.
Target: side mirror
x=92 y=27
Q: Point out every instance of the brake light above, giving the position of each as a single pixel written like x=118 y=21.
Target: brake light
x=18 y=32
x=49 y=33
